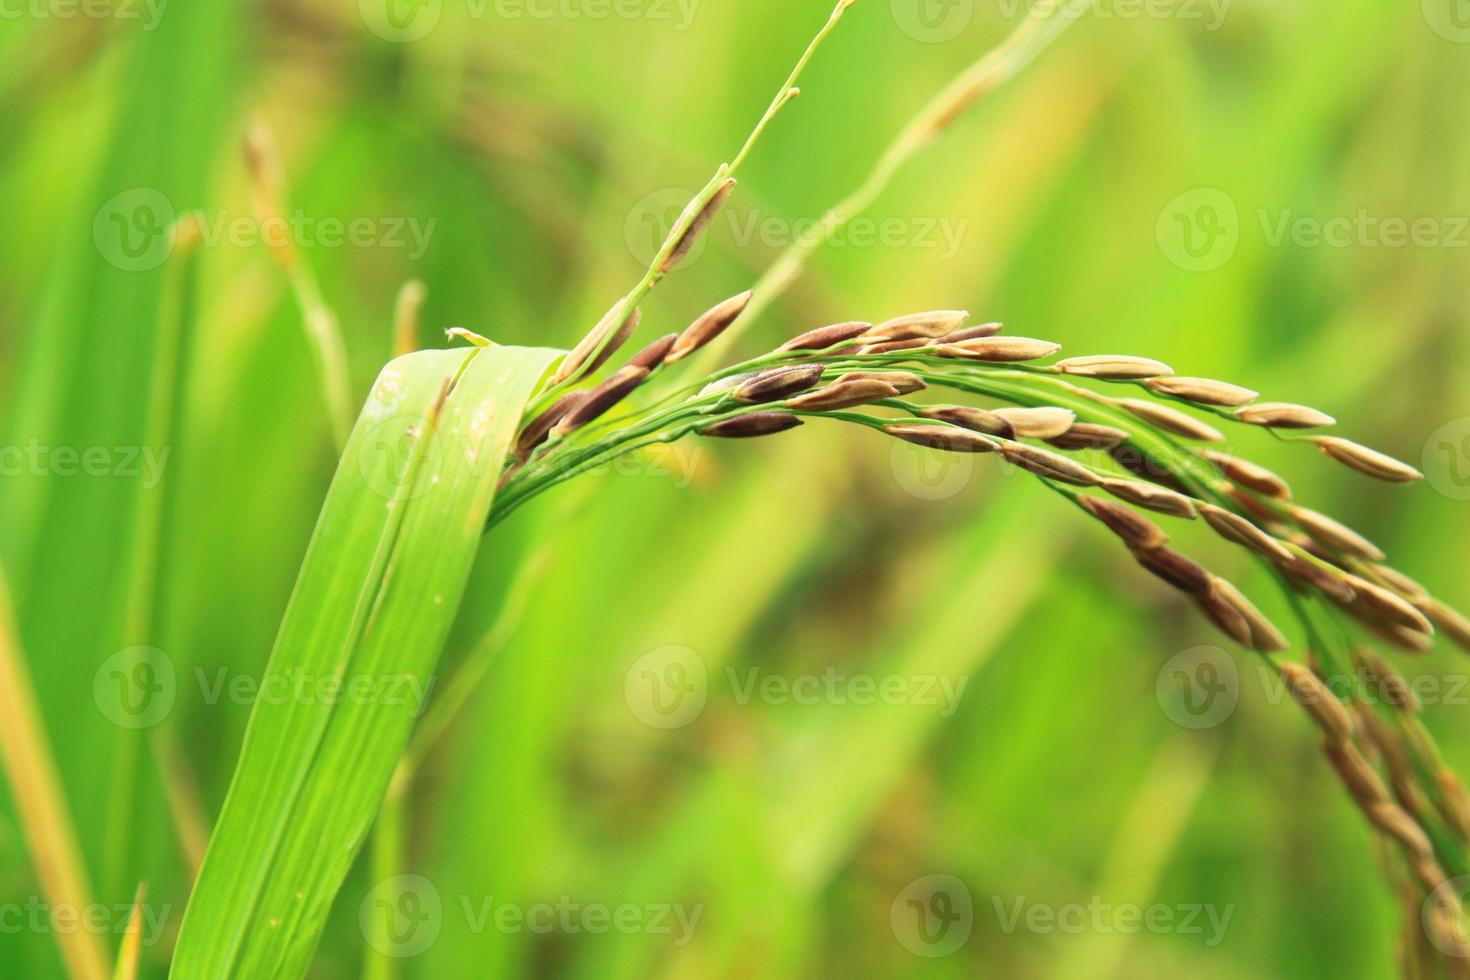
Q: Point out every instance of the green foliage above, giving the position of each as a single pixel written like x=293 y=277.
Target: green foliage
x=382 y=579
x=529 y=143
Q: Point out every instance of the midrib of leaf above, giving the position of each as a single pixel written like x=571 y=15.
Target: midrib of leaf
x=377 y=593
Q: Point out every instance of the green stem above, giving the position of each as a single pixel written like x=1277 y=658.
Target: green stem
x=655 y=272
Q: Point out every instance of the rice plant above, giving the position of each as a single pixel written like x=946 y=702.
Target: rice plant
x=451 y=444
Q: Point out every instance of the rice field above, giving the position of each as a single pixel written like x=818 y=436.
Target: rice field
x=558 y=488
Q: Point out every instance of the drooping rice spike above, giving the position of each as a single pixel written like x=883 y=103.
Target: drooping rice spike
x=750 y=425
x=933 y=324
x=1250 y=475
x=1335 y=534
x=1320 y=702
x=1204 y=391
x=971 y=333
x=824 y=337
x=600 y=399
x=951 y=438
x=1038 y=423
x=974 y=419
x=1160 y=499
x=1136 y=530
x=844 y=394
x=906 y=382
x=779 y=383
x=1183 y=573
x=1120 y=367
x=999 y=349
x=610 y=333
x=1233 y=527
x=708 y=326
x=1048 y=464
x=1172 y=420
x=1089 y=435
x=1283 y=415
x=697 y=226
x=1378 y=465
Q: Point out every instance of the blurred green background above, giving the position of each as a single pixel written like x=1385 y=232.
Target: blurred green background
x=1220 y=185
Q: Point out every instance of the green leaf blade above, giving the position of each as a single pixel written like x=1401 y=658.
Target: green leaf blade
x=377 y=593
